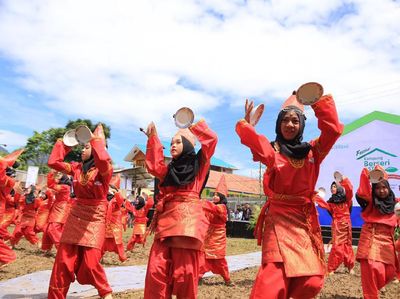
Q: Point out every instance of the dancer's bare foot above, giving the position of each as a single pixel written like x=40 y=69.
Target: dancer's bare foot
x=351 y=272
x=108 y=296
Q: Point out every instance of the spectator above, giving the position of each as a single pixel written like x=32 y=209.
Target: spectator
x=238 y=214
x=231 y=215
x=246 y=212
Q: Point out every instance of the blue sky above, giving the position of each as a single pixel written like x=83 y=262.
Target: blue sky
x=130 y=63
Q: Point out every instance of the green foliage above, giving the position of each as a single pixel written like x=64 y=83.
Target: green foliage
x=255 y=212
x=40 y=145
x=397 y=233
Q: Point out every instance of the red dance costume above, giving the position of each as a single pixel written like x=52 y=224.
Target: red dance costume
x=28 y=221
x=113 y=241
x=9 y=215
x=6 y=185
x=376 y=248
x=342 y=249
x=43 y=211
x=140 y=224
x=79 y=252
x=215 y=243
x=173 y=267
x=292 y=250
x=58 y=213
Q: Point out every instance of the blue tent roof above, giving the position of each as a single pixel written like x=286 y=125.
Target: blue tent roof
x=214 y=161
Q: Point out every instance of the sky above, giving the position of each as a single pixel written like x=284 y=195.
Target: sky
x=126 y=63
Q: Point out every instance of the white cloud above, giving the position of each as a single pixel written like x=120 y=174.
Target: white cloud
x=12 y=139
x=134 y=61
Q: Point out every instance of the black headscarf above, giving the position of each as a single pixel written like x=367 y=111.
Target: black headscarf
x=140 y=203
x=222 y=199
x=340 y=195
x=183 y=170
x=86 y=165
x=11 y=172
x=30 y=197
x=292 y=148
x=65 y=180
x=386 y=205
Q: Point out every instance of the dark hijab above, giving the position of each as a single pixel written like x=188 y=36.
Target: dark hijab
x=65 y=180
x=30 y=197
x=340 y=195
x=140 y=203
x=386 y=205
x=222 y=199
x=183 y=170
x=86 y=165
x=292 y=148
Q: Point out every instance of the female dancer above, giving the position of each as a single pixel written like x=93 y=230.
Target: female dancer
x=180 y=224
x=140 y=211
x=292 y=251
x=339 y=206
x=213 y=258
x=376 y=248
x=79 y=252
x=61 y=186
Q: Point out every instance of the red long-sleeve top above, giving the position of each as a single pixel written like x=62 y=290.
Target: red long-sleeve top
x=179 y=210
x=62 y=203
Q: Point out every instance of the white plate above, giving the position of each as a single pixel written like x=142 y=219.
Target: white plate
x=309 y=93
x=256 y=114
x=376 y=175
x=397 y=209
x=69 y=138
x=321 y=192
x=184 y=117
x=338 y=177
x=83 y=134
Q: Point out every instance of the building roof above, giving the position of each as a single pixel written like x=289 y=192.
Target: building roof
x=235 y=183
x=142 y=147
x=370 y=117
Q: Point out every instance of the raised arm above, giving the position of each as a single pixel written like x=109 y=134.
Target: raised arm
x=348 y=187
x=206 y=137
x=155 y=163
x=328 y=123
x=364 y=192
x=322 y=203
x=259 y=145
x=56 y=159
x=102 y=159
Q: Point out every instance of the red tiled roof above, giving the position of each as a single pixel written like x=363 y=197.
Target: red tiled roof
x=236 y=183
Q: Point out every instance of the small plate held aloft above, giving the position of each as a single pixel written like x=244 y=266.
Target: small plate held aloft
x=184 y=117
x=69 y=138
x=256 y=114
x=338 y=177
x=309 y=93
x=376 y=175
x=83 y=134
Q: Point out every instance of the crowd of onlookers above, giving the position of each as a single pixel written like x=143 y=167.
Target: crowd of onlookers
x=242 y=213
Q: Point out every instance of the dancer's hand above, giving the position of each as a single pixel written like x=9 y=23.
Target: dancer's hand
x=151 y=129
x=248 y=107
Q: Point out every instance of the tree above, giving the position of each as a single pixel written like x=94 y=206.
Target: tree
x=39 y=146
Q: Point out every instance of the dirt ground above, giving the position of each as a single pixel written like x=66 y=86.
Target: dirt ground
x=340 y=285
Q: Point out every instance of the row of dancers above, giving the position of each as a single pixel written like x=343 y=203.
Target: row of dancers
x=293 y=262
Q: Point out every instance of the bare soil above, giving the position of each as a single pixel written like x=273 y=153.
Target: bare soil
x=341 y=285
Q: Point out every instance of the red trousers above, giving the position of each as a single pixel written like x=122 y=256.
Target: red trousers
x=271 y=282
x=374 y=276
x=6 y=254
x=135 y=239
x=82 y=262
x=52 y=235
x=216 y=266
x=27 y=231
x=341 y=253
x=4 y=234
x=171 y=271
x=110 y=246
